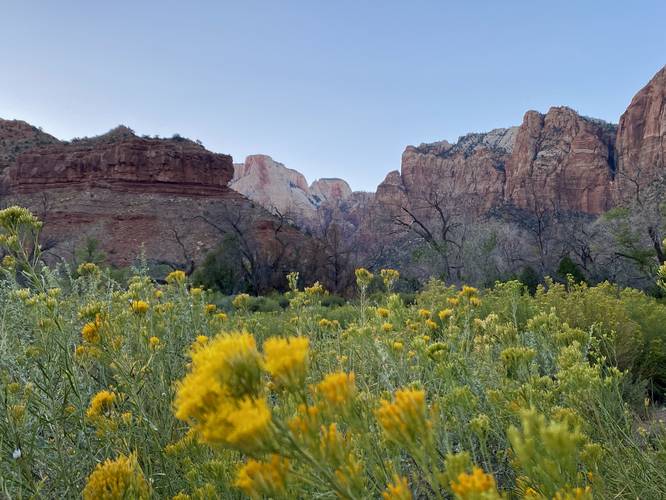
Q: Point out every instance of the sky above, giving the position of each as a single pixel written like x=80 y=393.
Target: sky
x=330 y=88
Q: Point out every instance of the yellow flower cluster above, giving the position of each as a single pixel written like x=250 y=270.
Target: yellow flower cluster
x=90 y=331
x=116 y=480
x=263 y=479
x=100 y=403
x=397 y=490
x=382 y=312
x=404 y=420
x=87 y=269
x=220 y=397
x=175 y=277
x=389 y=277
x=338 y=389
x=287 y=360
x=445 y=314
x=363 y=278
x=475 y=486
x=139 y=306
x=424 y=313
x=316 y=289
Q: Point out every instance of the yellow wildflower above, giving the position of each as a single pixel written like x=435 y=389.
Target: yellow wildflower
x=306 y=422
x=8 y=262
x=221 y=316
x=475 y=301
x=404 y=420
x=338 y=389
x=249 y=425
x=263 y=479
x=87 y=269
x=424 y=313
x=90 y=332
x=175 y=277
x=382 y=312
x=100 y=403
x=389 y=276
x=453 y=301
x=210 y=308
x=228 y=365
x=287 y=360
x=431 y=324
x=117 y=479
x=445 y=314
x=219 y=397
x=397 y=490
x=139 y=306
x=387 y=327
x=316 y=289
x=363 y=278
x=476 y=485
x=154 y=342
x=398 y=346
x=468 y=291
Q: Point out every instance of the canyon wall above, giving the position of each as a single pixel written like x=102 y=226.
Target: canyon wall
x=166 y=198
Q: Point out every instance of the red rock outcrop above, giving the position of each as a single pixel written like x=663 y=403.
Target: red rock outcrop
x=469 y=173
x=561 y=161
x=123 y=162
x=641 y=136
x=165 y=198
x=17 y=136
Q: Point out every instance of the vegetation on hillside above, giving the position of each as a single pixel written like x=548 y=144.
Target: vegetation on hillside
x=172 y=391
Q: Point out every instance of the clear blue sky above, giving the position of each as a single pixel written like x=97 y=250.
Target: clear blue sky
x=331 y=88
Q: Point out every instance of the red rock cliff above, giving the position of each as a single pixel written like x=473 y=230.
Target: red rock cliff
x=563 y=161
x=124 y=162
x=641 y=136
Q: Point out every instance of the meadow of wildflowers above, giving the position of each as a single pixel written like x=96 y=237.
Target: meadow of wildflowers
x=170 y=391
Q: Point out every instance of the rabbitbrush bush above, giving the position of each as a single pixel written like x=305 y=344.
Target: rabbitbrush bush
x=151 y=391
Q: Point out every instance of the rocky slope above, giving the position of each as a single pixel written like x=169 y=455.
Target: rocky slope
x=641 y=136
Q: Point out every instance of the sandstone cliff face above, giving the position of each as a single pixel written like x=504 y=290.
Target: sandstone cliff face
x=123 y=162
x=561 y=161
x=330 y=190
x=470 y=171
x=641 y=136
x=167 y=198
x=273 y=186
x=285 y=190
x=17 y=136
